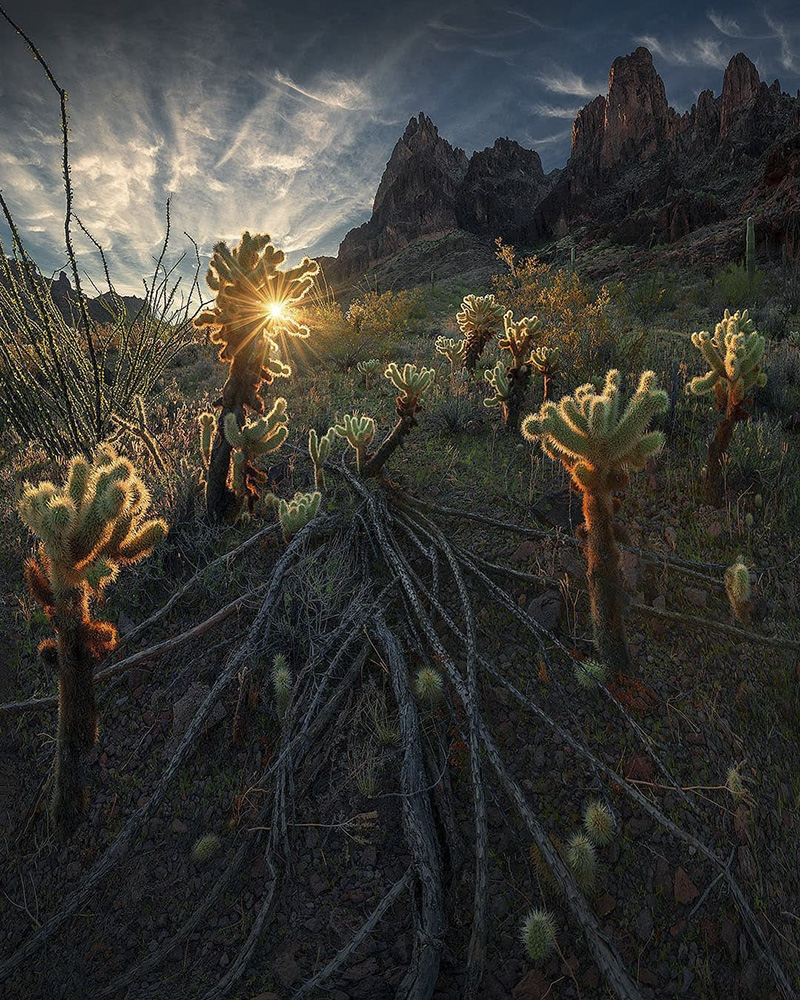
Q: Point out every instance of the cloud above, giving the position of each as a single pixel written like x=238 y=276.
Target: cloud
x=726 y=25
x=694 y=52
x=549 y=139
x=789 y=57
x=565 y=81
x=553 y=111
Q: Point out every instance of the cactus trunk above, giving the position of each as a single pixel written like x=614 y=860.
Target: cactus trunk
x=713 y=492
x=77 y=715
x=605 y=582
x=378 y=459
x=512 y=410
x=240 y=386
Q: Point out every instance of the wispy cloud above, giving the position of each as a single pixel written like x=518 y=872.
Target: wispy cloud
x=693 y=52
x=789 y=58
x=727 y=25
x=553 y=110
x=559 y=80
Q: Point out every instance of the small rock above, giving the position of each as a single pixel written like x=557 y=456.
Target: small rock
x=604 y=905
x=660 y=602
x=533 y=986
x=644 y=926
x=715 y=529
x=546 y=609
x=526 y=551
x=685 y=890
x=640 y=768
x=696 y=597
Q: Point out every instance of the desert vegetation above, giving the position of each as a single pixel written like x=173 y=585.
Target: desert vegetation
x=405 y=690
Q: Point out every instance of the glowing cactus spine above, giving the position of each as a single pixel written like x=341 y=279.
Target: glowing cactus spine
x=479 y=319
x=734 y=355
x=253 y=298
x=598 y=444
x=88 y=528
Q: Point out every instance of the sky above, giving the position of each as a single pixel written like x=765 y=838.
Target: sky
x=280 y=118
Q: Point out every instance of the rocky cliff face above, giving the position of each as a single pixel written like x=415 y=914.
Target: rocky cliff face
x=638 y=172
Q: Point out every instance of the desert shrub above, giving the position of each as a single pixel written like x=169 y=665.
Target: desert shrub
x=390 y=315
x=782 y=391
x=759 y=457
x=733 y=287
x=646 y=296
x=455 y=414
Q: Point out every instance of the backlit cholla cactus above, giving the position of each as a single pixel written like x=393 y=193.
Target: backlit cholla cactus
x=498 y=380
x=250 y=320
x=367 y=368
x=296 y=514
x=511 y=387
x=598 y=443
x=411 y=383
x=207 y=423
x=319 y=448
x=88 y=527
x=479 y=319
x=255 y=439
x=734 y=355
x=737 y=586
x=546 y=360
x=359 y=432
x=454 y=350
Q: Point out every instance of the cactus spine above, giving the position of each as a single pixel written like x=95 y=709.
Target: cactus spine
x=734 y=354
x=478 y=320
x=253 y=298
x=750 y=250
x=538 y=935
x=598 y=444
x=88 y=528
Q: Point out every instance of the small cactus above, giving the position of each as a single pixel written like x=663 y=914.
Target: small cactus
x=582 y=860
x=207 y=422
x=479 y=319
x=319 y=448
x=359 y=432
x=598 y=823
x=737 y=585
x=498 y=380
x=367 y=368
x=411 y=382
x=205 y=847
x=734 y=354
x=734 y=784
x=256 y=438
x=88 y=527
x=281 y=682
x=454 y=350
x=296 y=514
x=538 y=934
x=428 y=686
x=590 y=673
x=546 y=360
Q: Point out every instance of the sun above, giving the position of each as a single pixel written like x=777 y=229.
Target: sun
x=275 y=310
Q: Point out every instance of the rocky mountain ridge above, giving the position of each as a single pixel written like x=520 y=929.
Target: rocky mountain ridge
x=639 y=173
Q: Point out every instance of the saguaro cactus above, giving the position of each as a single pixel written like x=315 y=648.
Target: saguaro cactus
x=88 y=528
x=254 y=299
x=734 y=353
x=478 y=320
x=598 y=445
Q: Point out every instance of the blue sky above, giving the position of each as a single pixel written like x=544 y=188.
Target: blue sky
x=281 y=118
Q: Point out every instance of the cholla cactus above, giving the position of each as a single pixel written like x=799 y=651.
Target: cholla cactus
x=737 y=585
x=590 y=674
x=281 y=682
x=498 y=380
x=478 y=320
x=205 y=848
x=735 y=784
x=598 y=444
x=598 y=823
x=359 y=432
x=411 y=382
x=734 y=354
x=519 y=336
x=454 y=350
x=88 y=528
x=546 y=360
x=137 y=427
x=296 y=514
x=257 y=438
x=582 y=860
x=207 y=423
x=538 y=935
x=366 y=368
x=252 y=313
x=428 y=686
x=319 y=448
